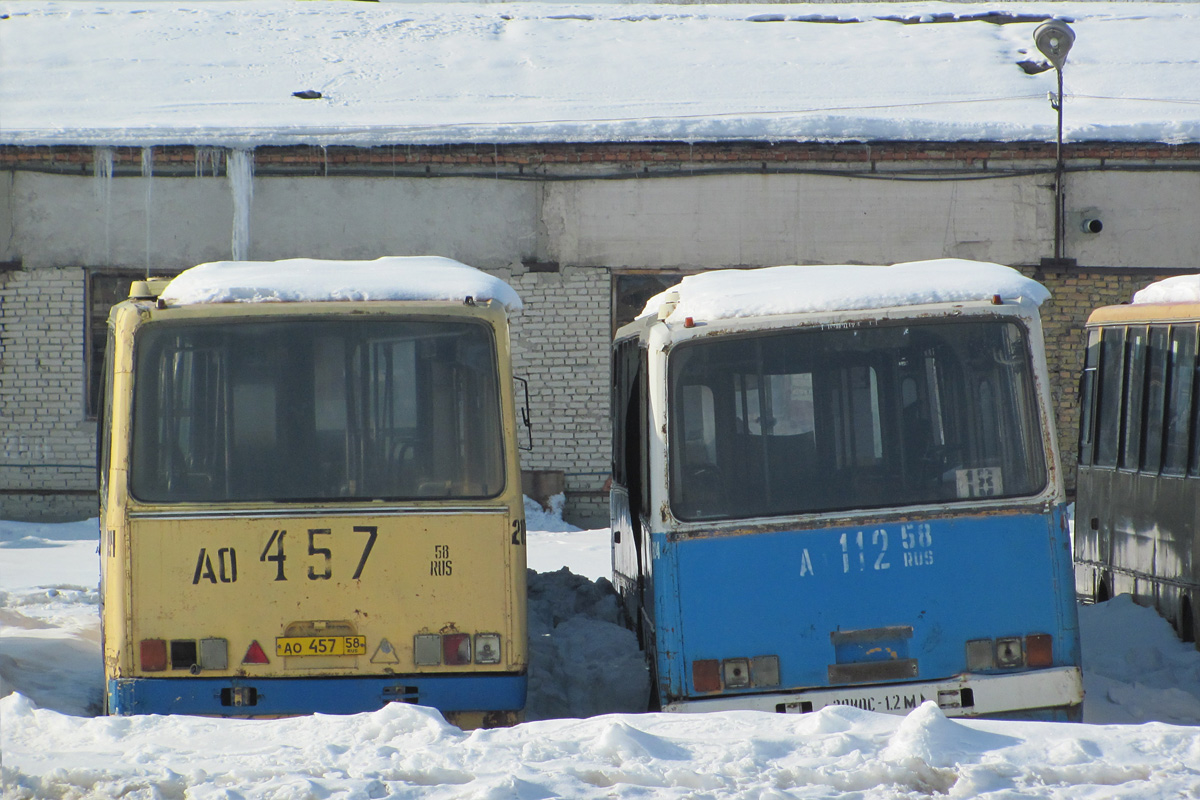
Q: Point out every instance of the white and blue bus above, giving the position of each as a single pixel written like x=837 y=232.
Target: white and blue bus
x=840 y=486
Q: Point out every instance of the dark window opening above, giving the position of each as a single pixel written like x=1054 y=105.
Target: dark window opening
x=825 y=420
x=316 y=410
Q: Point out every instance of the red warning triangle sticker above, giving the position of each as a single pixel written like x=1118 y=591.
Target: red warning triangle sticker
x=255 y=654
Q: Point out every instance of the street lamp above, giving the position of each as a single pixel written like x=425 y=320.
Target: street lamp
x=1054 y=39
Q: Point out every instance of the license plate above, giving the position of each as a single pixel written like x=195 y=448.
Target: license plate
x=321 y=646
x=885 y=702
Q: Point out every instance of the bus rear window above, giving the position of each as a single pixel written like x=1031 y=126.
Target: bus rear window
x=827 y=420
x=316 y=410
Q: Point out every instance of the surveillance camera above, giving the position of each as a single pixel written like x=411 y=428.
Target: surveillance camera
x=1092 y=225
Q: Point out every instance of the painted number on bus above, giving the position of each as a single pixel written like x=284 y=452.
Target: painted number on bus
x=865 y=551
x=220 y=566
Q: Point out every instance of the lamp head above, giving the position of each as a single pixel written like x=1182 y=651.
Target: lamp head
x=1054 y=39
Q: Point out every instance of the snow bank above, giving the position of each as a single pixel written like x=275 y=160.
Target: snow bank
x=302 y=279
x=1134 y=667
x=410 y=752
x=547 y=519
x=729 y=293
x=1179 y=289
x=583 y=662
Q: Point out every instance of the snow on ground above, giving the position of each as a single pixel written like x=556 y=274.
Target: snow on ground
x=586 y=677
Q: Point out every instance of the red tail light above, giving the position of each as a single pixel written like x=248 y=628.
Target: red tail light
x=706 y=675
x=456 y=648
x=154 y=655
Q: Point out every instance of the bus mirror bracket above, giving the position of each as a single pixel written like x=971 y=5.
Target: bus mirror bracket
x=525 y=420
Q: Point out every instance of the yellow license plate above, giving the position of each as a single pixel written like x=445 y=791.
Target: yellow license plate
x=321 y=646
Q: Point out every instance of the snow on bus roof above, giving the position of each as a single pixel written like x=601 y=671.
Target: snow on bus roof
x=729 y=293
x=310 y=279
x=1179 y=289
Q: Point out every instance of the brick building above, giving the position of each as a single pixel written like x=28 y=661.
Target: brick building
x=585 y=229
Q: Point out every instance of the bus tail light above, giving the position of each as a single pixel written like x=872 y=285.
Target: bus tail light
x=427 y=650
x=736 y=673
x=456 y=648
x=711 y=675
x=214 y=653
x=764 y=671
x=255 y=654
x=706 y=675
x=487 y=648
x=1039 y=650
x=153 y=655
x=980 y=655
x=1010 y=652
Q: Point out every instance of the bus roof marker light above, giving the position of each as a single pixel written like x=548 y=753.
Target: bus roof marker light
x=997 y=300
x=255 y=654
x=669 y=302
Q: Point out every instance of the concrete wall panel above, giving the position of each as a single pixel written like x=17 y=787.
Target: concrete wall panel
x=784 y=219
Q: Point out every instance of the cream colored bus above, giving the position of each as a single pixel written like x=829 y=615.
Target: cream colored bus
x=310 y=495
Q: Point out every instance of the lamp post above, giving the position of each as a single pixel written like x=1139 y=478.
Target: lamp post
x=1054 y=39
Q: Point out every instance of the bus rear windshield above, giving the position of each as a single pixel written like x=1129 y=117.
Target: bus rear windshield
x=821 y=420
x=316 y=410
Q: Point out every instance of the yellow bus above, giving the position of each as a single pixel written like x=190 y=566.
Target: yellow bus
x=1138 y=486
x=310 y=496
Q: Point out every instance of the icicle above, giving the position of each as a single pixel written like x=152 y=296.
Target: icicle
x=102 y=176
x=241 y=182
x=148 y=176
x=208 y=158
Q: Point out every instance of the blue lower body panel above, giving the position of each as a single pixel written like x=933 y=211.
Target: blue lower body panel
x=230 y=697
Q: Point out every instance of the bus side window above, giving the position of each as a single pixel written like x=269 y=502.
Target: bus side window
x=1089 y=383
x=1135 y=398
x=1108 y=417
x=1179 y=404
x=1156 y=399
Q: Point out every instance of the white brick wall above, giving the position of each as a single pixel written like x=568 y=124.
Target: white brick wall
x=46 y=442
x=560 y=343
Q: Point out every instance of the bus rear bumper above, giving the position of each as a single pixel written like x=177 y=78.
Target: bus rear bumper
x=1051 y=694
x=491 y=694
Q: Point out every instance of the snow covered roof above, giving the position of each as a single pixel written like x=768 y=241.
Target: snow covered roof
x=151 y=72
x=1179 y=289
x=300 y=279
x=730 y=293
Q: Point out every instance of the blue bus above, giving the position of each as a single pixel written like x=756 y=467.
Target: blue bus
x=841 y=486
